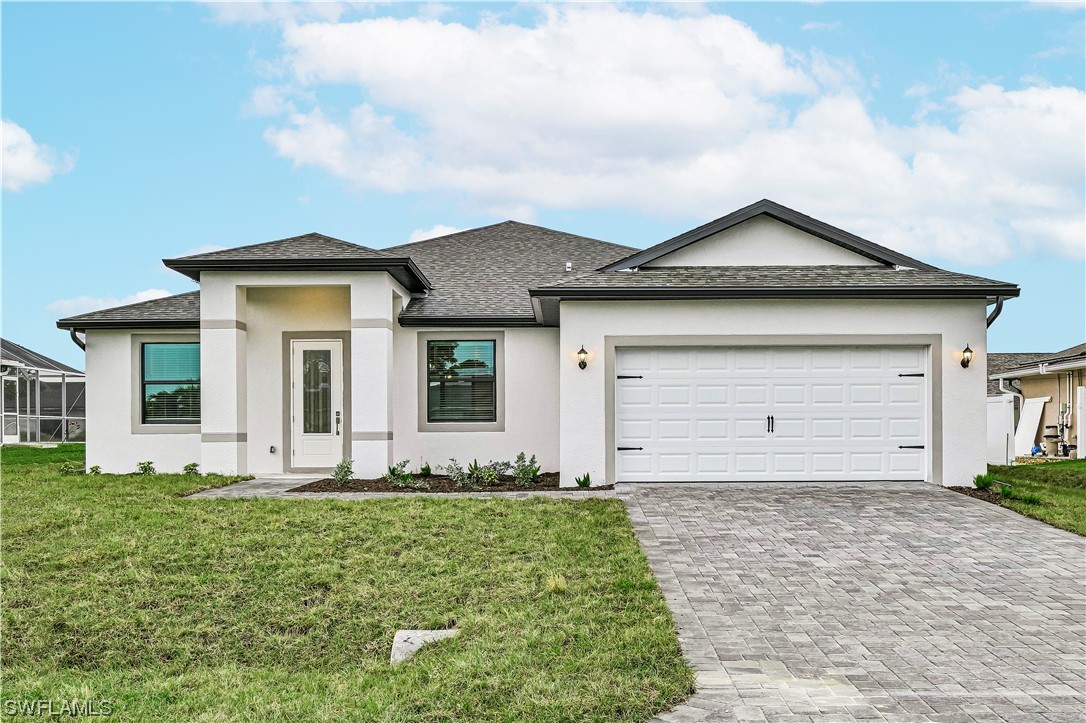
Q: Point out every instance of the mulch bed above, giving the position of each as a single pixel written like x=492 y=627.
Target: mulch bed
x=989 y=495
x=439 y=484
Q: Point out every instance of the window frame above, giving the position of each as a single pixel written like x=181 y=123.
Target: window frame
x=424 y=423
x=139 y=425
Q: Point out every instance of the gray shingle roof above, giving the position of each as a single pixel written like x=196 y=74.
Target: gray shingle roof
x=1075 y=353
x=855 y=280
x=180 y=311
x=10 y=351
x=1001 y=362
x=310 y=245
x=487 y=272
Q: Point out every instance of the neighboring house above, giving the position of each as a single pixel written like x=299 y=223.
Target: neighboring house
x=1049 y=392
x=43 y=400
x=765 y=345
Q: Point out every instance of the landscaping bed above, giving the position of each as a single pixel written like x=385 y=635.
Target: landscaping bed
x=1053 y=492
x=443 y=484
x=988 y=495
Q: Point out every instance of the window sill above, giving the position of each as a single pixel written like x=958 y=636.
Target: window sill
x=165 y=429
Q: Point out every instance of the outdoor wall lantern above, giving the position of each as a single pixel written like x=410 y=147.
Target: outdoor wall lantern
x=967 y=356
x=582 y=358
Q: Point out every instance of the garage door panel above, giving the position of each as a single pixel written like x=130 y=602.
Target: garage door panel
x=839 y=414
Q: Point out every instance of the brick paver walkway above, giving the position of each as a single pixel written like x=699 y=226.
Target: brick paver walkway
x=836 y=604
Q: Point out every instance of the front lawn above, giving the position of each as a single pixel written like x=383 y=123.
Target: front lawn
x=1060 y=485
x=116 y=588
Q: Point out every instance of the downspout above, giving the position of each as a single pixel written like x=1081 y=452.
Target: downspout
x=1021 y=399
x=78 y=342
x=996 y=311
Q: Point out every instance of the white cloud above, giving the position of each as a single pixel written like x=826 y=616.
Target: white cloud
x=201 y=249
x=83 y=304
x=607 y=107
x=814 y=26
x=253 y=12
x=26 y=162
x=421 y=234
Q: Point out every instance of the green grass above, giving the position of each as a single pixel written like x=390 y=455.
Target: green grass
x=116 y=588
x=1060 y=487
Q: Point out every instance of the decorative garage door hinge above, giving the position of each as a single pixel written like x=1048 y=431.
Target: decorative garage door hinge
x=630 y=376
x=630 y=449
x=916 y=374
x=910 y=446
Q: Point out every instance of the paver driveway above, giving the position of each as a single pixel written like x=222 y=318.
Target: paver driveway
x=837 y=603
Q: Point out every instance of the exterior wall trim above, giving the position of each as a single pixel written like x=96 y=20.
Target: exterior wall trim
x=371 y=324
x=371 y=436
x=933 y=342
x=499 y=381
x=288 y=337
x=136 y=417
x=224 y=437
x=223 y=324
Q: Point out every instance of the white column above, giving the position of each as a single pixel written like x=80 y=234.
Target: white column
x=371 y=374
x=223 y=424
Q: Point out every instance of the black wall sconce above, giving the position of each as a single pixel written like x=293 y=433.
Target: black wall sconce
x=967 y=356
x=582 y=358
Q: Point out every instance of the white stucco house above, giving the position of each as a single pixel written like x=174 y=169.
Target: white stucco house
x=765 y=345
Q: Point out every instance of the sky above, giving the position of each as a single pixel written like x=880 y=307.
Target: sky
x=134 y=132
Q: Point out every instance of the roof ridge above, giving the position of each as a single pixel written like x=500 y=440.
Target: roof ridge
x=310 y=234
x=507 y=222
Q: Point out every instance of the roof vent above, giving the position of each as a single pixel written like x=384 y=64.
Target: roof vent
x=569 y=266
x=899 y=267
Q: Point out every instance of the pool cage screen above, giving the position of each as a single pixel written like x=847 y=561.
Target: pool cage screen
x=43 y=405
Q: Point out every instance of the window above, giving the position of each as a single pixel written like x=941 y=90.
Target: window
x=461 y=381
x=170 y=381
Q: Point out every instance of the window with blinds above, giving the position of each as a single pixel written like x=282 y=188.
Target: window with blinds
x=461 y=383
x=170 y=379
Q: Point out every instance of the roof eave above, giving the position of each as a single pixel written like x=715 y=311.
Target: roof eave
x=1034 y=370
x=403 y=269
x=871 y=292
x=469 y=321
x=85 y=324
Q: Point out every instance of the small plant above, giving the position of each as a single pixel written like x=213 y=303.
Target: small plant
x=499 y=468
x=487 y=476
x=585 y=481
x=456 y=473
x=409 y=482
x=95 y=469
x=556 y=584
x=525 y=471
x=70 y=468
x=147 y=467
x=1028 y=498
x=983 y=481
x=475 y=472
x=397 y=474
x=191 y=468
x=344 y=471
x=424 y=470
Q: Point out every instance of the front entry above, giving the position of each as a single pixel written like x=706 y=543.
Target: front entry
x=316 y=409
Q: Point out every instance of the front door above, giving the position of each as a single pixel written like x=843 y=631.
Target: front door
x=316 y=403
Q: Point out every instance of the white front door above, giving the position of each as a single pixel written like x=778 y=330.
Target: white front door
x=772 y=414
x=316 y=403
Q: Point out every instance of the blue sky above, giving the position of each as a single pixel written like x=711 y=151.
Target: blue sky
x=952 y=132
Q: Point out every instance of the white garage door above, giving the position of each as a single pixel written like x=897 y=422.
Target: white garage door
x=772 y=414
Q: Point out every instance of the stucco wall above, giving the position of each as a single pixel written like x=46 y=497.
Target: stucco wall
x=762 y=241
x=112 y=442
x=959 y=394
x=531 y=403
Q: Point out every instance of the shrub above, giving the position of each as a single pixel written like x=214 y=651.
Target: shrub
x=983 y=481
x=1028 y=498
x=147 y=467
x=487 y=476
x=424 y=470
x=191 y=468
x=70 y=468
x=456 y=473
x=397 y=474
x=95 y=469
x=409 y=482
x=556 y=584
x=525 y=471
x=344 y=471
x=585 y=481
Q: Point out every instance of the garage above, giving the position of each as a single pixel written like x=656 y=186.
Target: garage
x=747 y=414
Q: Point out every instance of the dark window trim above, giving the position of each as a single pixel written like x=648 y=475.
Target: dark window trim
x=492 y=378
x=193 y=421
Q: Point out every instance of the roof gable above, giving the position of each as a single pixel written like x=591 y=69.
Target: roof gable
x=728 y=245
x=309 y=245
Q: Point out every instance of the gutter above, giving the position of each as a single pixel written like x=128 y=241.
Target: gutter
x=78 y=342
x=996 y=311
x=779 y=292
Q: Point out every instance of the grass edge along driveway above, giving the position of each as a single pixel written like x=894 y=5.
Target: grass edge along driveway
x=117 y=589
x=1060 y=485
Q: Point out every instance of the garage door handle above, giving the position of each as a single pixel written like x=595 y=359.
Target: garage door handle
x=770 y=423
x=630 y=376
x=917 y=374
x=630 y=449
x=910 y=446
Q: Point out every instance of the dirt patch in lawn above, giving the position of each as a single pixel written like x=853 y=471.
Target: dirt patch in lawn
x=441 y=484
x=988 y=495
